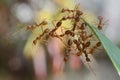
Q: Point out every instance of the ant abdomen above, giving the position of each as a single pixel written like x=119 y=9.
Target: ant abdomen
x=58 y=24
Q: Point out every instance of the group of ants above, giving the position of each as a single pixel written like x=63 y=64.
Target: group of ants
x=78 y=40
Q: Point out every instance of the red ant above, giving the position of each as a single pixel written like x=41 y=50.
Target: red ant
x=87 y=58
x=39 y=37
x=98 y=44
x=36 y=25
x=101 y=24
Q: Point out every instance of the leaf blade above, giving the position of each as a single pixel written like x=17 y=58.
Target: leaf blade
x=112 y=50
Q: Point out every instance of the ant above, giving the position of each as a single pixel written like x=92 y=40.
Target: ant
x=100 y=24
x=74 y=26
x=52 y=34
x=66 y=10
x=85 y=37
x=68 y=32
x=89 y=36
x=78 y=46
x=66 y=56
x=77 y=18
x=87 y=58
x=76 y=42
x=39 y=37
x=98 y=44
x=87 y=44
x=79 y=53
x=67 y=17
x=69 y=43
x=58 y=24
x=82 y=50
x=76 y=15
x=65 y=59
x=82 y=27
x=36 y=25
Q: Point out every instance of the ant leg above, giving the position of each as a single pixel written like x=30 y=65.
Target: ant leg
x=62 y=41
x=34 y=33
x=89 y=66
x=42 y=29
x=44 y=41
x=62 y=30
x=44 y=23
x=18 y=31
x=53 y=22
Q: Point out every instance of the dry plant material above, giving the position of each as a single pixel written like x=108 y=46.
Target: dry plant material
x=78 y=40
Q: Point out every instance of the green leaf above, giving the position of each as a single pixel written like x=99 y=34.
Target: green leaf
x=112 y=50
